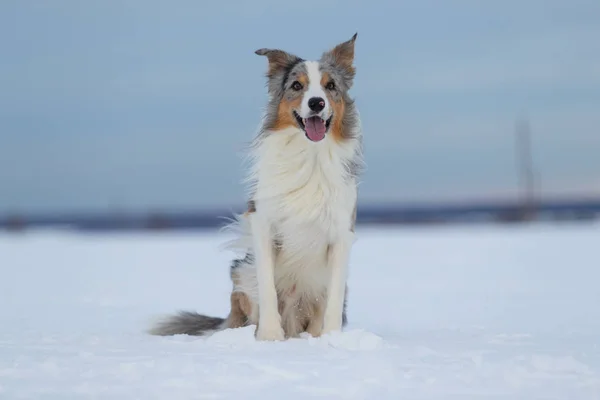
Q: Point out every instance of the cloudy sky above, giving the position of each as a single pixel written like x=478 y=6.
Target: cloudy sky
x=148 y=104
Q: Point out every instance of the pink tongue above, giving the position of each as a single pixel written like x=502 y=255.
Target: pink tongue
x=315 y=128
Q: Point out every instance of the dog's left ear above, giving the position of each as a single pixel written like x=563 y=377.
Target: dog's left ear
x=278 y=60
x=342 y=55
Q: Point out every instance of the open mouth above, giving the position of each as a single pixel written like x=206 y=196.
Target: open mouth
x=314 y=127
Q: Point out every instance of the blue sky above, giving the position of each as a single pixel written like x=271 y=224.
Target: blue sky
x=148 y=104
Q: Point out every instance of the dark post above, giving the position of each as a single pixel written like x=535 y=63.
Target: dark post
x=525 y=169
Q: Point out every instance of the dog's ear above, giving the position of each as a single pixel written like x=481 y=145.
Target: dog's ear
x=278 y=59
x=342 y=55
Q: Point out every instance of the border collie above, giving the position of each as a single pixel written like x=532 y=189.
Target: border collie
x=296 y=235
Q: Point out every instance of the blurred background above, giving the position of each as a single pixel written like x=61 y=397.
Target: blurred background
x=135 y=114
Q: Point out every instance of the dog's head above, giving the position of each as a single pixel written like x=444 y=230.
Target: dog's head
x=311 y=95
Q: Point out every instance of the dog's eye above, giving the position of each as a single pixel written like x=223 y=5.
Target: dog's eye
x=330 y=85
x=297 y=85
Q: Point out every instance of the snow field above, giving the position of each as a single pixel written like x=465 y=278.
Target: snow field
x=455 y=312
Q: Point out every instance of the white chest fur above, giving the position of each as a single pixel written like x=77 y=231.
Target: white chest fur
x=303 y=188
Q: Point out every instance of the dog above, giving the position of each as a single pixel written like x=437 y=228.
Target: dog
x=297 y=233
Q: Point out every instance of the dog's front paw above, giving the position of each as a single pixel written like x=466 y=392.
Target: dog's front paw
x=269 y=333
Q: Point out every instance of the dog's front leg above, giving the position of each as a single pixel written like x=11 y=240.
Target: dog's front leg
x=338 y=257
x=269 y=320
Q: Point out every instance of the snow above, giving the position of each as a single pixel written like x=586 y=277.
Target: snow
x=455 y=312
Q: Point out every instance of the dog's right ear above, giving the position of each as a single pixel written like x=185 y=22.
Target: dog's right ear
x=342 y=55
x=278 y=60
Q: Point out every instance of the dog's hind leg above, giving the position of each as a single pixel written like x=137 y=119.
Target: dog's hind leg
x=315 y=322
x=241 y=311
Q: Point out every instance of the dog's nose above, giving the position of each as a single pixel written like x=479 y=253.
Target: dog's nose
x=316 y=104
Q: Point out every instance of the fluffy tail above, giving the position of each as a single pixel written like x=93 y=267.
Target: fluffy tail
x=187 y=323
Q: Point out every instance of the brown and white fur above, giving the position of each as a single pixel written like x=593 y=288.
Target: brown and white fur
x=298 y=231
